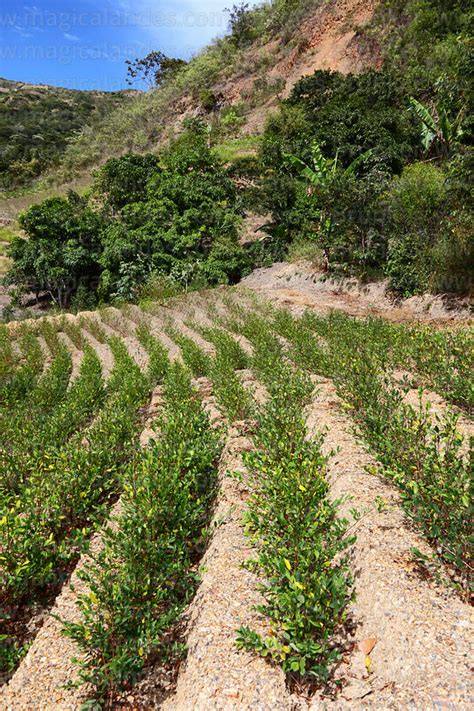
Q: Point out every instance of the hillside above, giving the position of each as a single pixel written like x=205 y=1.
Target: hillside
x=184 y=438
x=237 y=374
x=247 y=82
x=38 y=121
x=285 y=42
x=337 y=132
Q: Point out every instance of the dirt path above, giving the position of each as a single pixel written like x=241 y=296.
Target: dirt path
x=421 y=631
x=76 y=355
x=156 y=326
x=216 y=674
x=178 y=321
x=135 y=350
x=103 y=353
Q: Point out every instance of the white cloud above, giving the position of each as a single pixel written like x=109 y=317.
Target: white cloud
x=22 y=32
x=71 y=38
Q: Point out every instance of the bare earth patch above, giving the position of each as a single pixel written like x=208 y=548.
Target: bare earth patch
x=299 y=286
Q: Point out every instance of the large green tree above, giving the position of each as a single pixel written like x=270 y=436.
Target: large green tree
x=61 y=251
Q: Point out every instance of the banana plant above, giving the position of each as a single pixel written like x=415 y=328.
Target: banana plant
x=320 y=173
x=436 y=125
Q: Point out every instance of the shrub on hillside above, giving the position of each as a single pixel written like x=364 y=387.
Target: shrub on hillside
x=62 y=249
x=453 y=251
x=351 y=114
x=123 y=180
x=414 y=228
x=185 y=218
x=414 y=206
x=175 y=216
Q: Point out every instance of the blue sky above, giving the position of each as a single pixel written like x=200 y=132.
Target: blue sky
x=84 y=44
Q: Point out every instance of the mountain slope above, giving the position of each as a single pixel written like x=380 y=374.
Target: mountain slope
x=250 y=79
x=37 y=121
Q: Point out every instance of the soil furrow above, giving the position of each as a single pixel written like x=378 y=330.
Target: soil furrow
x=103 y=352
x=156 y=326
x=421 y=631
x=216 y=674
x=76 y=355
x=135 y=350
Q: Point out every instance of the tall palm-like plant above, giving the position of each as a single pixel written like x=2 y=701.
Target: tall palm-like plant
x=321 y=174
x=436 y=127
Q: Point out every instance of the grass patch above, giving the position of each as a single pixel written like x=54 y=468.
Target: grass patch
x=233 y=149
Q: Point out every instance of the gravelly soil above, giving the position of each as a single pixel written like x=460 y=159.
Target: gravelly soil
x=421 y=631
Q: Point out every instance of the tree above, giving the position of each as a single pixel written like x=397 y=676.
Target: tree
x=154 y=69
x=123 y=180
x=185 y=217
x=241 y=24
x=172 y=215
x=62 y=249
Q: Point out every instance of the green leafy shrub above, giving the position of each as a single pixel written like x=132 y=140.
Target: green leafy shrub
x=241 y=24
x=208 y=100
x=123 y=180
x=300 y=540
x=453 y=251
x=414 y=207
x=197 y=360
x=143 y=577
x=175 y=217
x=62 y=249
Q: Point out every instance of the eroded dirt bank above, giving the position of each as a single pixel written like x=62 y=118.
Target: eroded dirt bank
x=300 y=286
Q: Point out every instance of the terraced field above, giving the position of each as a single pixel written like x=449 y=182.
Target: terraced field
x=216 y=503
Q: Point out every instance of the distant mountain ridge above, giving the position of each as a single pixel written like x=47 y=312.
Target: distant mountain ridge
x=7 y=85
x=38 y=120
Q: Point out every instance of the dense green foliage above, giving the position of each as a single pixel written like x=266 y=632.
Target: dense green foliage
x=175 y=216
x=369 y=173
x=404 y=212
x=61 y=253
x=60 y=472
x=37 y=122
x=141 y=580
